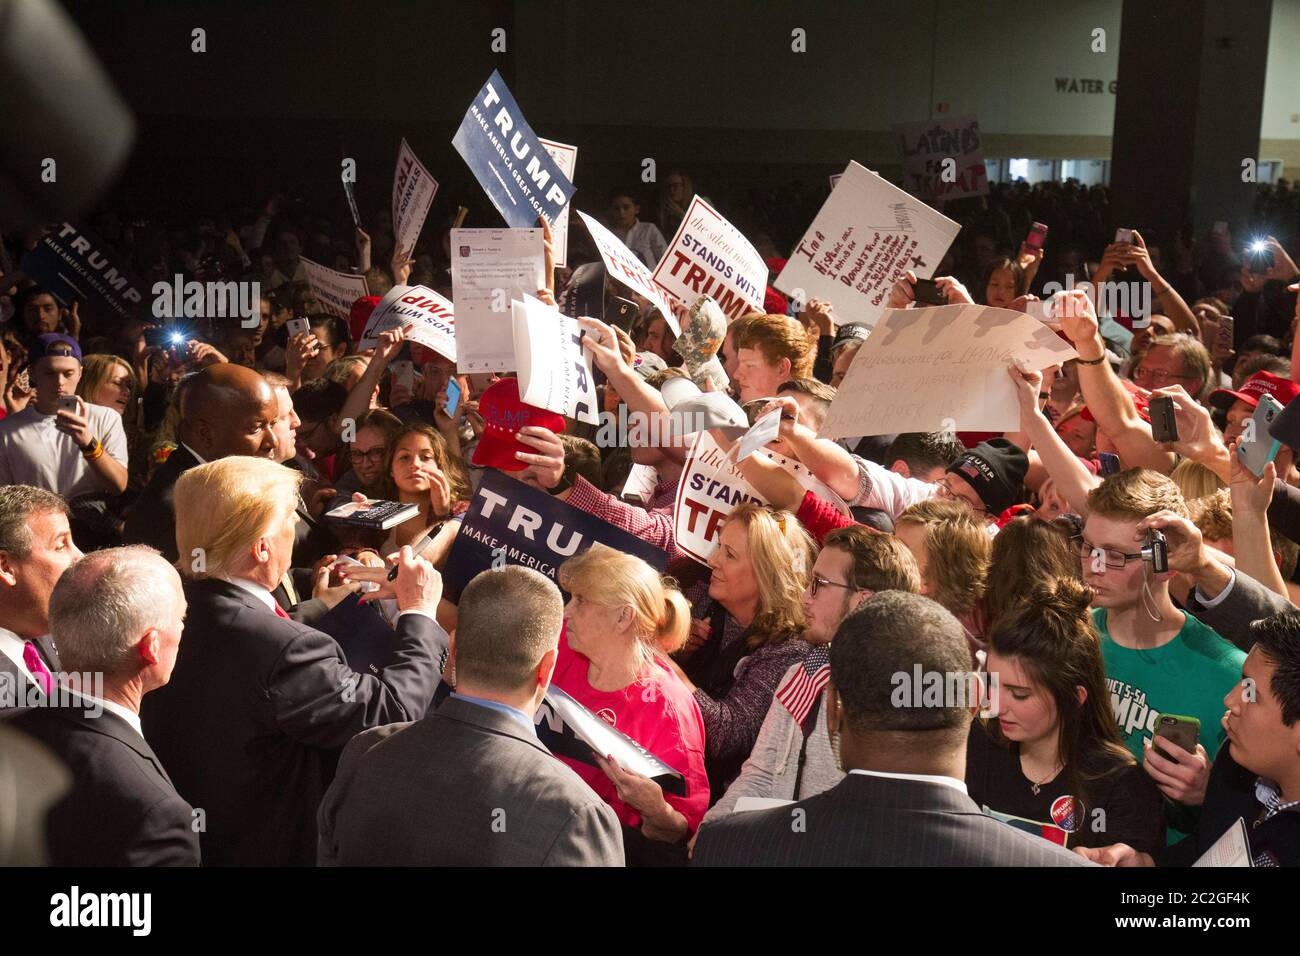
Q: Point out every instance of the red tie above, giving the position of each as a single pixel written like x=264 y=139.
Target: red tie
x=280 y=612
x=32 y=658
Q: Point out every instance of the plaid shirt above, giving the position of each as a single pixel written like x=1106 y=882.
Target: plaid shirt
x=655 y=526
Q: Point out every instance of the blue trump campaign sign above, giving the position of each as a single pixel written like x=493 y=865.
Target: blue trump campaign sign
x=509 y=160
x=72 y=263
x=509 y=522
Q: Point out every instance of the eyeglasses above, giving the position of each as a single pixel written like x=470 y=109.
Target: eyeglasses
x=819 y=582
x=373 y=456
x=1115 y=560
x=1157 y=377
x=946 y=493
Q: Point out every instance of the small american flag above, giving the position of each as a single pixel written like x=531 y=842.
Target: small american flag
x=798 y=693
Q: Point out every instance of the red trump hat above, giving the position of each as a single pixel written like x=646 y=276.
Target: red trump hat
x=503 y=415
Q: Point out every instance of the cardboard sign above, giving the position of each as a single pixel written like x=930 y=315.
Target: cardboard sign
x=413 y=192
x=509 y=522
x=336 y=290
x=642 y=480
x=624 y=266
x=554 y=369
x=710 y=256
x=941 y=368
x=928 y=145
x=416 y=305
x=866 y=235
x=72 y=263
x=566 y=157
x=490 y=268
x=710 y=489
x=508 y=158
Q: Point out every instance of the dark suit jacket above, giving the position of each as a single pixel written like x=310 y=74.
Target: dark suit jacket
x=874 y=821
x=1247 y=601
x=465 y=786
x=152 y=519
x=257 y=709
x=17 y=679
x=123 y=809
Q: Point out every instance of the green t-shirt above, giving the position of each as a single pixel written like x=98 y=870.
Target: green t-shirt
x=1188 y=676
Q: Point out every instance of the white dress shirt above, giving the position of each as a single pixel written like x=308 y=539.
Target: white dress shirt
x=953 y=782
x=255 y=589
x=11 y=645
x=130 y=716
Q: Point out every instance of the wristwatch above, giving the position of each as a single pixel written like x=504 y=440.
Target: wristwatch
x=565 y=484
x=87 y=448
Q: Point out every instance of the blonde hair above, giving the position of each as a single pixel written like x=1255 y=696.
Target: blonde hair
x=1194 y=480
x=95 y=370
x=782 y=554
x=223 y=507
x=615 y=578
x=958 y=549
x=338 y=370
x=1133 y=494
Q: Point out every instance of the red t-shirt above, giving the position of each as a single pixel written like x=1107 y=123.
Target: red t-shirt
x=659 y=713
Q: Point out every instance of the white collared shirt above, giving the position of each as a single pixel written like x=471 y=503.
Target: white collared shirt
x=11 y=645
x=953 y=782
x=201 y=459
x=256 y=590
x=130 y=716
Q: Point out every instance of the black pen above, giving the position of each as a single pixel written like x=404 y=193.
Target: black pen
x=418 y=547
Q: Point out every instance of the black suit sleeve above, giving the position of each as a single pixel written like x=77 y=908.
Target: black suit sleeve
x=317 y=699
x=166 y=836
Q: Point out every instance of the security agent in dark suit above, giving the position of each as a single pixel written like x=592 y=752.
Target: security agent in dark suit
x=259 y=705
x=226 y=409
x=118 y=613
x=36 y=547
x=903 y=802
x=470 y=784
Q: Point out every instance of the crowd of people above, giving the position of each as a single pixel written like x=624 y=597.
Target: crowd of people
x=1125 y=607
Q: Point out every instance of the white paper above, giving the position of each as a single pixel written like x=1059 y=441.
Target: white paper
x=628 y=269
x=709 y=256
x=927 y=144
x=489 y=269
x=566 y=157
x=642 y=480
x=413 y=192
x=922 y=367
x=766 y=429
x=336 y=290
x=1231 y=849
x=746 y=804
x=866 y=235
x=430 y=315
x=554 y=369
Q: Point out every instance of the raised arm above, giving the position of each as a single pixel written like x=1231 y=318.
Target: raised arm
x=1252 y=545
x=358 y=400
x=1073 y=479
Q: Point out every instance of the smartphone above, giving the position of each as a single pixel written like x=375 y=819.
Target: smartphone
x=164 y=337
x=1183 y=731
x=1109 y=463
x=68 y=403
x=1264 y=447
x=403 y=375
x=1224 y=339
x=927 y=292
x=298 y=327
x=1124 y=235
x=1156 y=551
x=624 y=311
x=24 y=381
x=1164 y=426
x=1037 y=235
x=1261 y=260
x=453 y=397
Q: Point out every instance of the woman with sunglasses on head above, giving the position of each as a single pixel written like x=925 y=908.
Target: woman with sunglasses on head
x=1048 y=757
x=748 y=615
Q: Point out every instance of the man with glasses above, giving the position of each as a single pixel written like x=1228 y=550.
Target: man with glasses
x=792 y=757
x=1158 y=659
x=1174 y=360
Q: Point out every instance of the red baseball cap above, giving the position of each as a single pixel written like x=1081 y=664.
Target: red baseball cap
x=1261 y=383
x=1141 y=399
x=503 y=415
x=360 y=315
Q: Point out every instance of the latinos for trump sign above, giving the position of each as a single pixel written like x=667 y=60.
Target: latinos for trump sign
x=336 y=290
x=943 y=158
x=509 y=522
x=867 y=234
x=413 y=192
x=72 y=263
x=429 y=314
x=509 y=160
x=709 y=256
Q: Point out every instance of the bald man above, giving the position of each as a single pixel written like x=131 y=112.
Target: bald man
x=226 y=409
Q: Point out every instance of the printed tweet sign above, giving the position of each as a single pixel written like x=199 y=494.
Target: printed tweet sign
x=566 y=157
x=430 y=315
x=943 y=368
x=490 y=268
x=554 y=370
x=624 y=266
x=942 y=157
x=509 y=522
x=335 y=290
x=710 y=256
x=509 y=160
x=866 y=235
x=413 y=192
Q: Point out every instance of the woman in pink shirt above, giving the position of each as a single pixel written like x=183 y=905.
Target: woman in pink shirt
x=620 y=620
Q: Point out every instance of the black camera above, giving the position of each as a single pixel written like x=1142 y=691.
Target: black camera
x=1156 y=551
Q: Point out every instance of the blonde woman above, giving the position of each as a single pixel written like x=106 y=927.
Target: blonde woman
x=953 y=550
x=620 y=616
x=109 y=381
x=748 y=614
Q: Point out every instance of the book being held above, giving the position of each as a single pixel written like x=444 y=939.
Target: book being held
x=376 y=515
